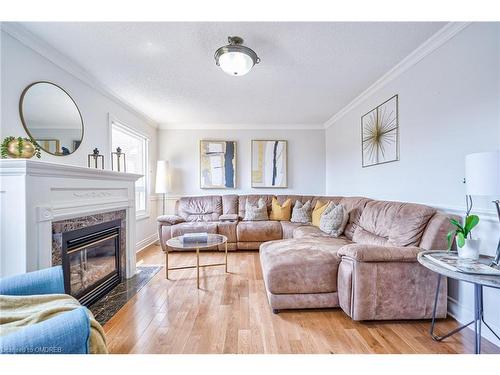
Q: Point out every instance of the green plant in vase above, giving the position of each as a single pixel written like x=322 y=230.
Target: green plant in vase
x=19 y=147
x=467 y=247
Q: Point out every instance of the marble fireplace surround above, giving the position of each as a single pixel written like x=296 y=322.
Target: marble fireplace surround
x=35 y=194
x=63 y=226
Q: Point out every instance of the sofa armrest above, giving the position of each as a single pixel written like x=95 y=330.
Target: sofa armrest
x=46 y=281
x=376 y=253
x=169 y=219
x=229 y=217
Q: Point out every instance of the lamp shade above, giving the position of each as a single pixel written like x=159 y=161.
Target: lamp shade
x=162 y=184
x=482 y=173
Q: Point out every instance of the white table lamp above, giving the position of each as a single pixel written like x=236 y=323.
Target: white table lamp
x=162 y=185
x=482 y=177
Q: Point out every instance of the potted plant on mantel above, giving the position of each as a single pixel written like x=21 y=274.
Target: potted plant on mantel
x=468 y=248
x=18 y=147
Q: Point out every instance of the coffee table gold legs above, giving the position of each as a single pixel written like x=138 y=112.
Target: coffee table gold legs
x=225 y=261
x=166 y=264
x=198 y=267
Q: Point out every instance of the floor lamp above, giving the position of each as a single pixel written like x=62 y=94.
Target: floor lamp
x=482 y=177
x=162 y=180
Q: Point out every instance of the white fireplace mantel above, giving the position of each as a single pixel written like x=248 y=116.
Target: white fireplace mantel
x=34 y=193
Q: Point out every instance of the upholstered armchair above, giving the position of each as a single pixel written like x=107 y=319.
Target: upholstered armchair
x=66 y=333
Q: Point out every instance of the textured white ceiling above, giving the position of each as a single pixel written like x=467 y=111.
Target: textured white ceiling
x=166 y=70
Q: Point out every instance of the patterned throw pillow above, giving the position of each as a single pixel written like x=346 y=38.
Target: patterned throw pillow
x=256 y=213
x=334 y=219
x=301 y=213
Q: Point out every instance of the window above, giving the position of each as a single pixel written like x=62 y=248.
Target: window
x=135 y=147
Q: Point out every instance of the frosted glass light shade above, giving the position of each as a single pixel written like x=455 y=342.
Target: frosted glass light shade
x=162 y=183
x=235 y=63
x=482 y=173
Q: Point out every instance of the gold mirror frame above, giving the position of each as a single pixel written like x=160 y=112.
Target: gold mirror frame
x=25 y=91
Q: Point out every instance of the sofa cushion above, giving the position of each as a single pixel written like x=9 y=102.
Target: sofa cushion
x=193 y=227
x=256 y=212
x=315 y=198
x=362 y=236
x=255 y=231
x=283 y=198
x=287 y=228
x=318 y=210
x=308 y=231
x=228 y=229
x=230 y=204
x=402 y=224
x=301 y=212
x=434 y=237
x=301 y=266
x=281 y=211
x=333 y=220
x=253 y=199
x=228 y=217
x=354 y=207
x=205 y=208
x=410 y=223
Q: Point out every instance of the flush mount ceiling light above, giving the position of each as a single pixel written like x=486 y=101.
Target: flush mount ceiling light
x=235 y=59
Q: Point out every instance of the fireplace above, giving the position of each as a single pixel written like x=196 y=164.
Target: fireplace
x=91 y=260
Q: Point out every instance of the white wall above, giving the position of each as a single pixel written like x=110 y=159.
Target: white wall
x=449 y=106
x=306 y=159
x=21 y=65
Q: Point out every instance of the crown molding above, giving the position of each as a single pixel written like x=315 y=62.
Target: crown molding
x=425 y=49
x=37 y=44
x=239 y=126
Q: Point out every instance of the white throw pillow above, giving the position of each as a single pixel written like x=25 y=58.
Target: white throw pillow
x=333 y=220
x=301 y=213
x=256 y=213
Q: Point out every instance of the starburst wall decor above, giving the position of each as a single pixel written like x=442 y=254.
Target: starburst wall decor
x=380 y=134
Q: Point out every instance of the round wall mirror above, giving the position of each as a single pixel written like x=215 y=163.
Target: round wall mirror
x=50 y=116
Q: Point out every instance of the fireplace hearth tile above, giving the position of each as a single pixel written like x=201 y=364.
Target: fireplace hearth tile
x=114 y=300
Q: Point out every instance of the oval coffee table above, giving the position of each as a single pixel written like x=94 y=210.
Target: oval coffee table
x=213 y=240
x=478 y=280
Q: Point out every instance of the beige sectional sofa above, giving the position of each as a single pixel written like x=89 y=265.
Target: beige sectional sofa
x=371 y=271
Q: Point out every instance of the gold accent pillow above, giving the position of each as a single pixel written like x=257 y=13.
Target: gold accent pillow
x=318 y=210
x=281 y=212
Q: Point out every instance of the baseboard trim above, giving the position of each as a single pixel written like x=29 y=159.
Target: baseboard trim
x=143 y=244
x=463 y=314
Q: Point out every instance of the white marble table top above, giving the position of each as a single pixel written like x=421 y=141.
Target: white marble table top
x=491 y=281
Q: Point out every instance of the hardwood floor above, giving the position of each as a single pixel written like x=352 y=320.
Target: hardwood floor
x=230 y=314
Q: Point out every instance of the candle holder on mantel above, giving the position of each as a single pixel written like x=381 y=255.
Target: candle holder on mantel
x=93 y=159
x=120 y=159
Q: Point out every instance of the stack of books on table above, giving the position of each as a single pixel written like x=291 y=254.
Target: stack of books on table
x=452 y=262
x=194 y=238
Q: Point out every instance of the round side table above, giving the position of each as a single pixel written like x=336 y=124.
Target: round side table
x=477 y=280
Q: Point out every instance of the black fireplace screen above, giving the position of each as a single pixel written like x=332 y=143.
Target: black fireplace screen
x=91 y=261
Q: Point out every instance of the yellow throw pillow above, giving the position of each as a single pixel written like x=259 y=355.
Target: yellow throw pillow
x=318 y=210
x=281 y=212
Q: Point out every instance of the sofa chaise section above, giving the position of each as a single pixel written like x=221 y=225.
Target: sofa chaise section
x=302 y=273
